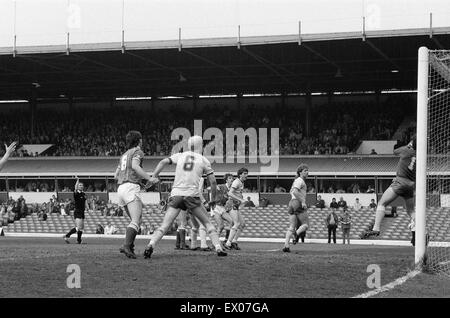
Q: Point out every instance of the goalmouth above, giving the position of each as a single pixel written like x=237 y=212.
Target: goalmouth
x=432 y=159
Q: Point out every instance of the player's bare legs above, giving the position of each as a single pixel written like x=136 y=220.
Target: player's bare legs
x=388 y=196
x=194 y=232
x=239 y=230
x=181 y=231
x=410 y=209
x=290 y=231
x=170 y=216
x=201 y=214
x=303 y=220
x=134 y=211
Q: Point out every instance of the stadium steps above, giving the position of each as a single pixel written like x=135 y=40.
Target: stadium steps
x=261 y=222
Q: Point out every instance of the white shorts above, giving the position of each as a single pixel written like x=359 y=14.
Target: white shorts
x=127 y=193
x=218 y=209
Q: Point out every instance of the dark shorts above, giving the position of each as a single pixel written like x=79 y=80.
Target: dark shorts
x=184 y=203
x=78 y=215
x=403 y=187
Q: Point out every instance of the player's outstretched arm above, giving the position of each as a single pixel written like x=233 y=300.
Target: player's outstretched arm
x=160 y=167
x=9 y=150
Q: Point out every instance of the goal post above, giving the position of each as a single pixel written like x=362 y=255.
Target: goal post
x=421 y=154
x=432 y=219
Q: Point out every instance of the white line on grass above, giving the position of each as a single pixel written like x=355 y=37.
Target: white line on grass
x=389 y=286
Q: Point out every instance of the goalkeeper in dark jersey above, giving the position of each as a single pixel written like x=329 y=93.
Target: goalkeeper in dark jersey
x=403 y=186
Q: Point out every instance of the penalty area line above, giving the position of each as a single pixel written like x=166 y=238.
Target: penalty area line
x=389 y=286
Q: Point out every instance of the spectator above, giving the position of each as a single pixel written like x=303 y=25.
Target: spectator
x=372 y=205
x=279 y=189
x=263 y=202
x=357 y=205
x=342 y=203
x=346 y=221
x=331 y=223
x=334 y=205
x=100 y=229
x=249 y=203
x=370 y=189
x=373 y=152
x=320 y=203
x=110 y=229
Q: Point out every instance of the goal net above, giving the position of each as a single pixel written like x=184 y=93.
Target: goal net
x=433 y=162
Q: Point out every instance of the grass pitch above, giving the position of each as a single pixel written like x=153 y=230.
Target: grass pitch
x=36 y=267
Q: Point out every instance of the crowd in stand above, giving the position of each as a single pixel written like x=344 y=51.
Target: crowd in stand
x=336 y=128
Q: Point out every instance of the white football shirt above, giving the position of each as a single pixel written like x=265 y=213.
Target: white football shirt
x=190 y=168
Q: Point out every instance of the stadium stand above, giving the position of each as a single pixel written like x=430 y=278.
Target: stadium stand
x=261 y=222
x=336 y=127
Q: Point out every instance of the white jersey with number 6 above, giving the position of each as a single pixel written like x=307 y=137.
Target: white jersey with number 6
x=190 y=168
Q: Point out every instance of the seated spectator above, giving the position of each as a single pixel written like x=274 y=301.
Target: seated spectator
x=342 y=203
x=263 y=202
x=370 y=189
x=357 y=205
x=373 y=152
x=320 y=203
x=100 y=229
x=110 y=229
x=42 y=215
x=334 y=205
x=279 y=189
x=372 y=205
x=249 y=203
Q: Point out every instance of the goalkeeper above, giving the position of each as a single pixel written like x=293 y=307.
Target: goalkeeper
x=129 y=174
x=403 y=186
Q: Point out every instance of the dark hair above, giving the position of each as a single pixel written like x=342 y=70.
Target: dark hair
x=133 y=137
x=241 y=171
x=301 y=167
x=226 y=176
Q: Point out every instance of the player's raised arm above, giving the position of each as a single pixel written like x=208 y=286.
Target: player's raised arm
x=160 y=166
x=8 y=151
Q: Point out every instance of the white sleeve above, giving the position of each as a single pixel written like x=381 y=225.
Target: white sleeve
x=174 y=158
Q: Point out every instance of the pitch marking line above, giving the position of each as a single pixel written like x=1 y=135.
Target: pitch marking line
x=389 y=286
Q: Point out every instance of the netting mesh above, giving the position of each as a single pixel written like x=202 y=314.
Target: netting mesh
x=438 y=163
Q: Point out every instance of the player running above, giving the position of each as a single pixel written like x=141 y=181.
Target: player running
x=8 y=151
x=221 y=213
x=403 y=186
x=129 y=175
x=297 y=208
x=81 y=206
x=190 y=167
x=236 y=198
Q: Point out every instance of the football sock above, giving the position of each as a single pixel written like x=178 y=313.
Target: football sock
x=231 y=236
x=193 y=239
x=288 y=238
x=378 y=218
x=203 y=243
x=227 y=234
x=72 y=231
x=182 y=238
x=130 y=235
x=177 y=244
x=79 y=233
